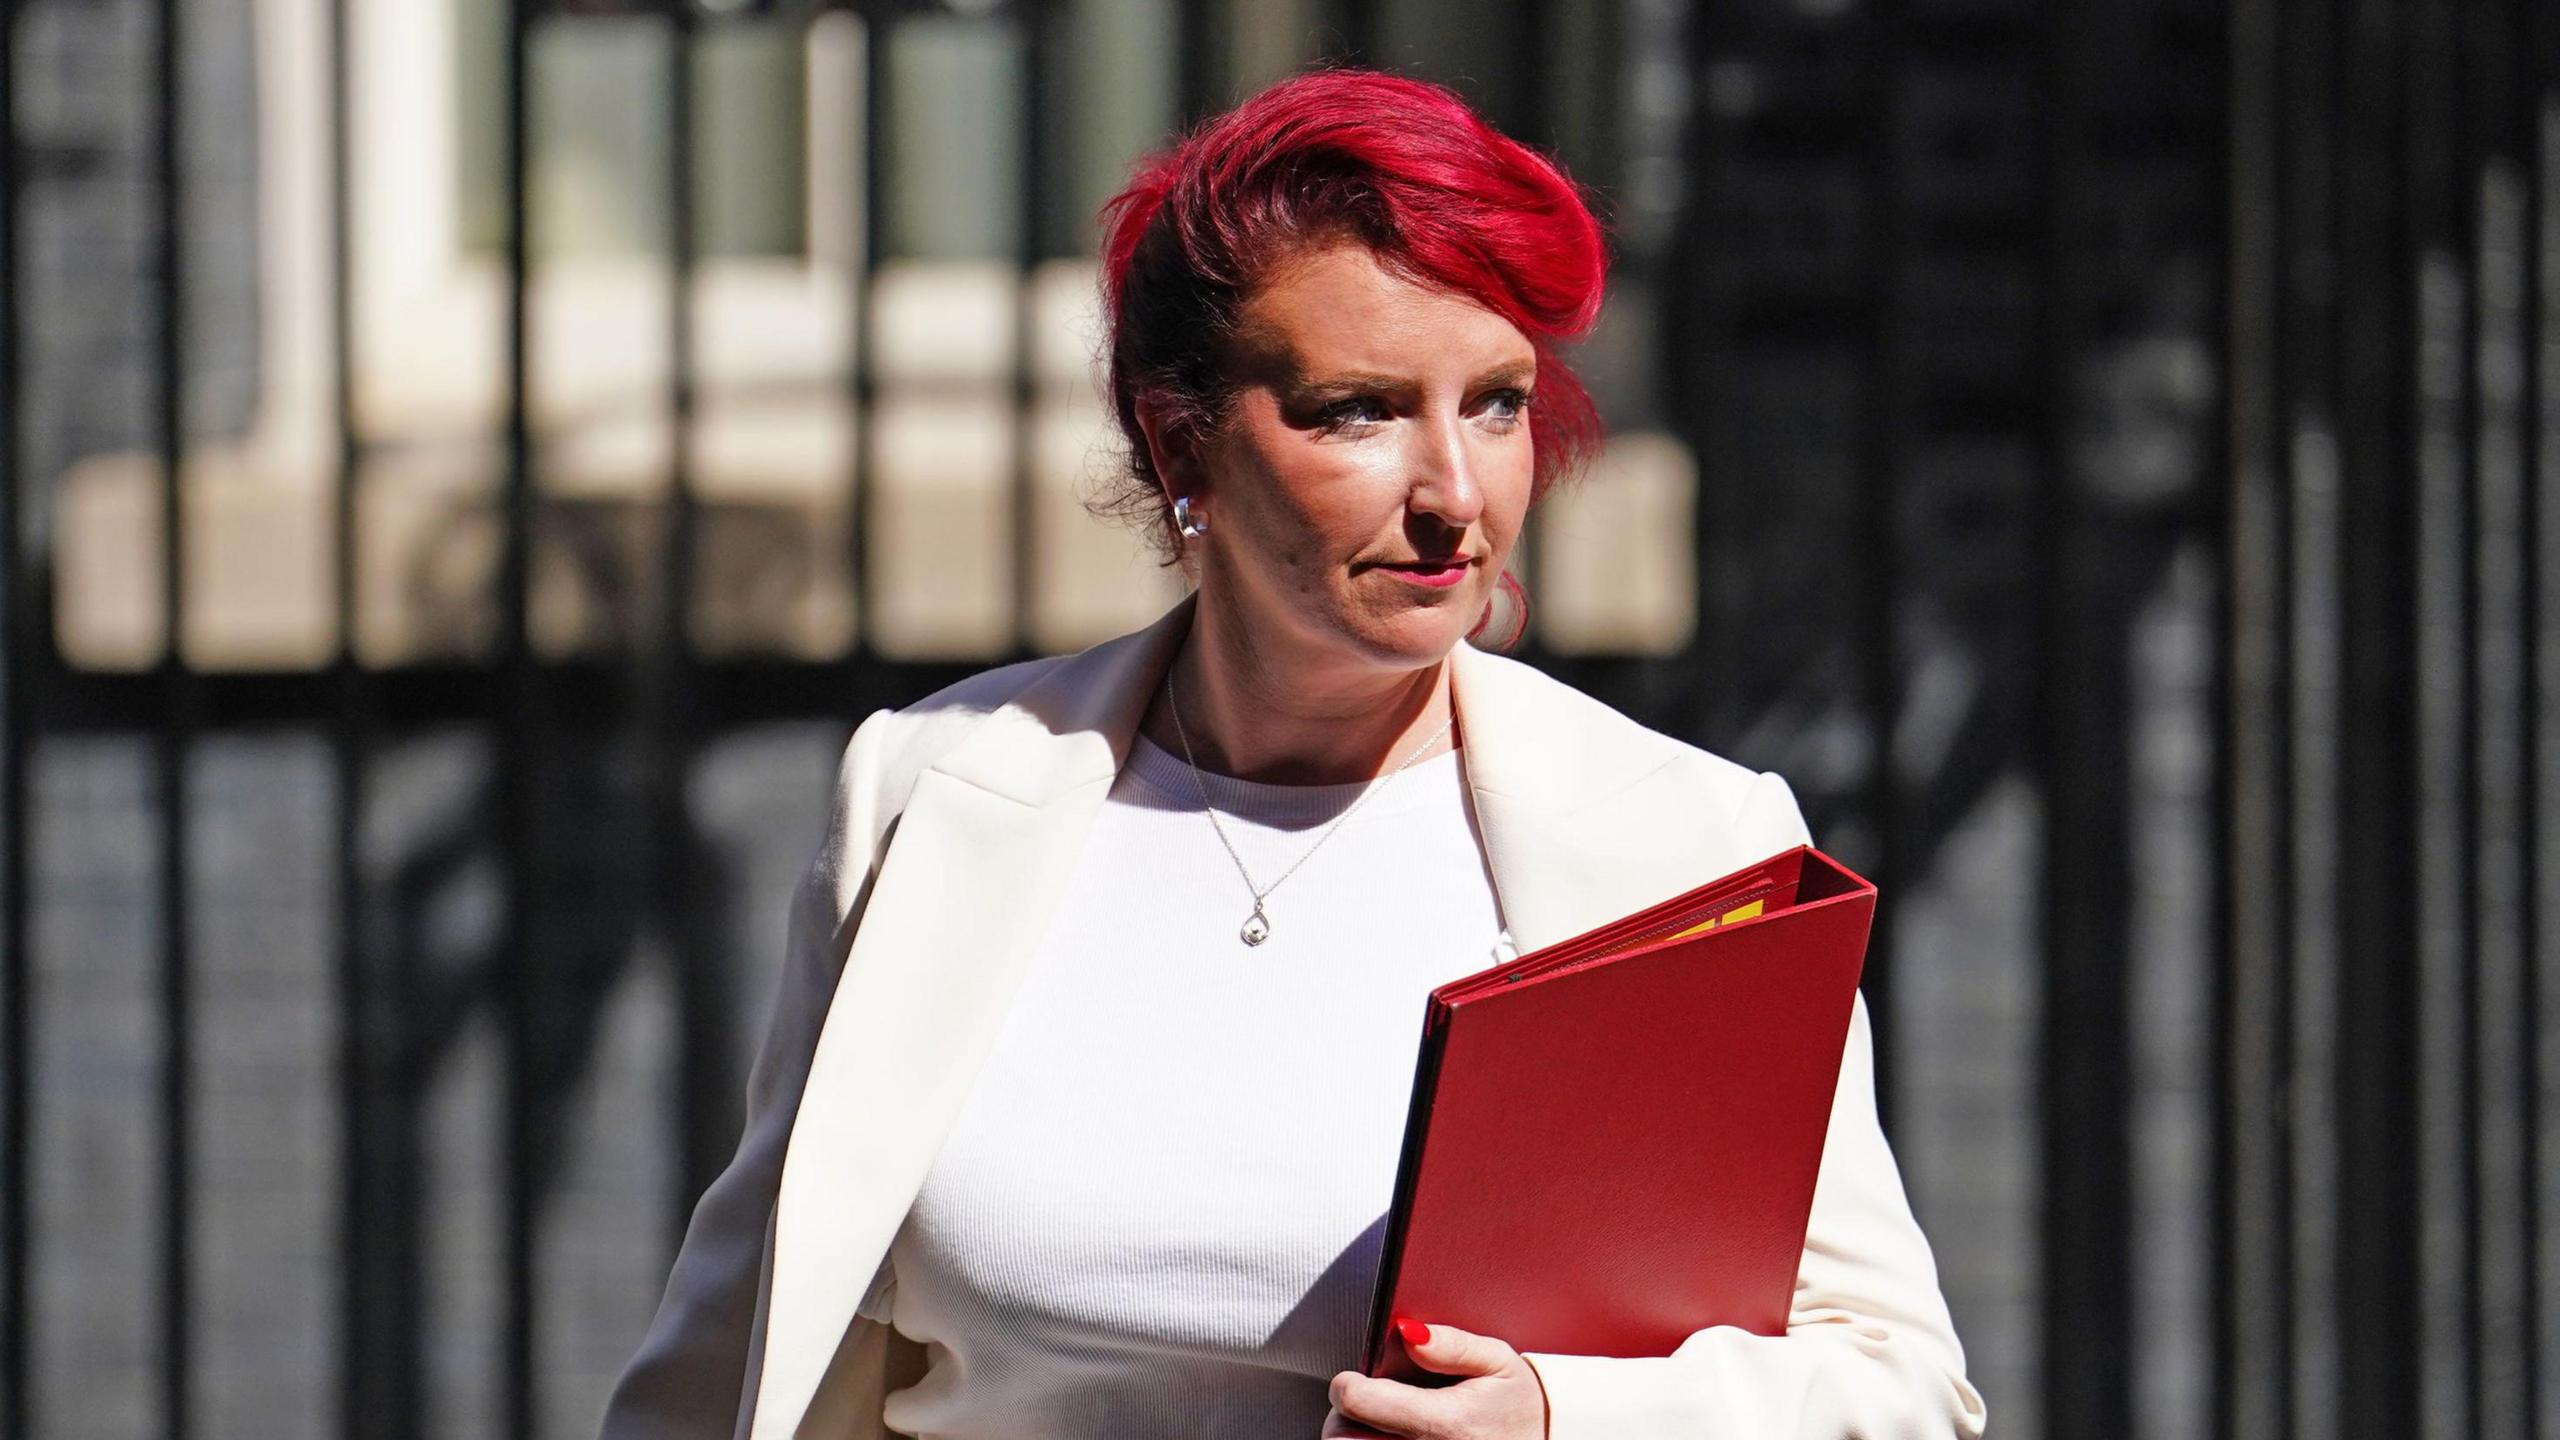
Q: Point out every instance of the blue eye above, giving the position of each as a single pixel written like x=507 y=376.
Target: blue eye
x=1514 y=403
x=1359 y=410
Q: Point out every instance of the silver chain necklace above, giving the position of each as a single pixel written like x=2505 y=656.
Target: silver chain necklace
x=1257 y=925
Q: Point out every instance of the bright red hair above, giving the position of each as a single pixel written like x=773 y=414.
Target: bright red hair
x=1401 y=165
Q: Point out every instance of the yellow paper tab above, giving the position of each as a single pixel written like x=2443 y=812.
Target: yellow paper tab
x=1738 y=912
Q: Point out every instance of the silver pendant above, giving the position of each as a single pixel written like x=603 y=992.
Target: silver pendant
x=1257 y=927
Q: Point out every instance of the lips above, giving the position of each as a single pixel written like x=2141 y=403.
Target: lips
x=1429 y=572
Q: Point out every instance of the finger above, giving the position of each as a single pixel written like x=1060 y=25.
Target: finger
x=1448 y=1350
x=1391 y=1405
x=1338 y=1428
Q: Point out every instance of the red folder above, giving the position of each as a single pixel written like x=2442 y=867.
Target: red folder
x=1613 y=1140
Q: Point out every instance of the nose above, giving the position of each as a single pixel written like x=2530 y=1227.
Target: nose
x=1444 y=484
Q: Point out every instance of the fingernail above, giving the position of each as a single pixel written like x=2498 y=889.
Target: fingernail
x=1414 y=1333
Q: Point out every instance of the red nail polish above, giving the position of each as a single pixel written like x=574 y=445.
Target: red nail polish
x=1414 y=1332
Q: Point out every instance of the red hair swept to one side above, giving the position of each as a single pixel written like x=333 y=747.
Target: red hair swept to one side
x=1401 y=165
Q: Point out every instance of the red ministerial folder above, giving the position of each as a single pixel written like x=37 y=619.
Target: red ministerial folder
x=1613 y=1140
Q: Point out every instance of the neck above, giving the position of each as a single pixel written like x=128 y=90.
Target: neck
x=1257 y=710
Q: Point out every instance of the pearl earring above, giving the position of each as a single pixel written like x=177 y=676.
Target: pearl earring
x=1191 y=526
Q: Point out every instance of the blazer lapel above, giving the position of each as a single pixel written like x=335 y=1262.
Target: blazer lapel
x=978 y=859
x=1583 y=816
x=975 y=866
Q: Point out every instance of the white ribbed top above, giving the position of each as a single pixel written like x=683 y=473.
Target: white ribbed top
x=1159 y=1211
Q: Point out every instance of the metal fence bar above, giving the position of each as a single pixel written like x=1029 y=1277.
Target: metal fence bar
x=2499 y=653
x=2073 y=1003
x=18 y=657
x=1033 y=31
x=2542 y=1420
x=1534 y=108
x=586 y=694
x=2376 y=1219
x=879 y=26
x=1354 y=27
x=706 y=1101
x=2537 y=143
x=1882 y=402
x=1195 y=59
x=1529 y=117
x=2446 y=954
x=2534 y=36
x=1693 y=308
x=517 y=979
x=173 y=741
x=2280 y=399
x=2249 y=1239
x=366 y=1308
x=2499 y=1073
x=2081 y=745
x=2433 y=258
x=2302 y=1097
x=2538 y=147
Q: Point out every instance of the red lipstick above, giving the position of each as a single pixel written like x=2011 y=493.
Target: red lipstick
x=1438 y=574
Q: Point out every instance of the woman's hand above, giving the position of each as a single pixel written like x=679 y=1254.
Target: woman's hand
x=1501 y=1398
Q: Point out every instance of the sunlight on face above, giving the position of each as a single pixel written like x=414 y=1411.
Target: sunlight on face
x=1373 y=474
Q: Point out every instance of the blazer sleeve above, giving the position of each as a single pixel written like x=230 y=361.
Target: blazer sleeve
x=689 y=1380
x=1870 y=1350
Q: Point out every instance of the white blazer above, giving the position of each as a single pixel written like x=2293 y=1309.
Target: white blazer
x=955 y=823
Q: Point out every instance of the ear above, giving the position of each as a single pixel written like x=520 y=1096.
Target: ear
x=1172 y=453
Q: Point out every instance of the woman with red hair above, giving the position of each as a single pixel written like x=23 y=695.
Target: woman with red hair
x=1080 y=1107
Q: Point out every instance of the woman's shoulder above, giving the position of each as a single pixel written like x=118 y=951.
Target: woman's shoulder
x=891 y=748
x=932 y=724
x=1597 y=750
x=1064 y=692
x=1609 y=746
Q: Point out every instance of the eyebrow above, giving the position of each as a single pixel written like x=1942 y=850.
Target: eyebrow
x=1510 y=373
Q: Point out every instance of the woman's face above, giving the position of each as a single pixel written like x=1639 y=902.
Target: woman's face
x=1372 y=475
